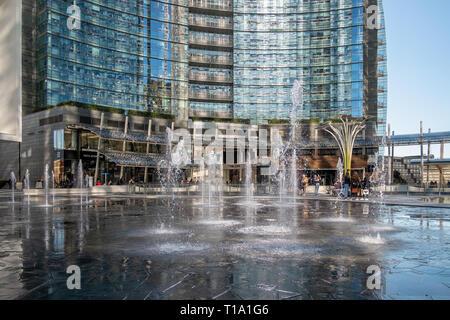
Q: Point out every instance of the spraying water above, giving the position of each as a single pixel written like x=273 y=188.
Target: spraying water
x=46 y=177
x=27 y=184
x=213 y=180
x=13 y=185
x=378 y=177
x=249 y=179
x=340 y=170
x=80 y=179
x=86 y=183
x=53 y=187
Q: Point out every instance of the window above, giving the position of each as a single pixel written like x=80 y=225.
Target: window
x=58 y=139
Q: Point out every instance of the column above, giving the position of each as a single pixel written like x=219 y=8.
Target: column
x=316 y=142
x=428 y=160
x=97 y=160
x=149 y=134
x=393 y=156
x=389 y=156
x=442 y=149
x=421 y=153
x=124 y=146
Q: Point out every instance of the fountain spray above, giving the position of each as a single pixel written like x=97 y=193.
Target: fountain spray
x=46 y=177
x=13 y=185
x=27 y=182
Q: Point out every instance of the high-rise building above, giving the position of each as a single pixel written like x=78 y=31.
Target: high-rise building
x=215 y=58
x=125 y=54
x=199 y=60
x=324 y=44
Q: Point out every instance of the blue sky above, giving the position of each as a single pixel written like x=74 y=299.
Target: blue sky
x=418 y=48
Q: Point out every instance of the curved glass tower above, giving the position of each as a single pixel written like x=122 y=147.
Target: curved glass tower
x=131 y=54
x=325 y=44
x=215 y=58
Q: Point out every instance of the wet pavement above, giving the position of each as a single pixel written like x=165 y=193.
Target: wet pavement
x=164 y=248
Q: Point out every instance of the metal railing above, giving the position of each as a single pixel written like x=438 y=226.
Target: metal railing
x=212 y=5
x=203 y=22
x=204 y=58
x=217 y=42
x=211 y=96
x=203 y=76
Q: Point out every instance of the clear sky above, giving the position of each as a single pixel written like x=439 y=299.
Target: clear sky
x=418 y=49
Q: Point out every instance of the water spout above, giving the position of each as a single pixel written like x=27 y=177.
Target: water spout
x=27 y=184
x=46 y=177
x=13 y=185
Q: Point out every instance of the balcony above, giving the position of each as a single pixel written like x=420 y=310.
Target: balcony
x=208 y=77
x=210 y=96
x=212 y=5
x=207 y=23
x=210 y=59
x=215 y=42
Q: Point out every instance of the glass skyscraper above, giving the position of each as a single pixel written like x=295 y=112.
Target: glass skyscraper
x=128 y=54
x=215 y=58
x=322 y=43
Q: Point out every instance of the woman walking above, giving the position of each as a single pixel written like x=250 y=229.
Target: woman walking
x=304 y=184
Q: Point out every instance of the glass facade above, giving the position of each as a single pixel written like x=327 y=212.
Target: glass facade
x=318 y=42
x=129 y=54
x=230 y=58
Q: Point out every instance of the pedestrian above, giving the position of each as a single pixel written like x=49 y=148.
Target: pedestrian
x=316 y=182
x=304 y=184
x=356 y=185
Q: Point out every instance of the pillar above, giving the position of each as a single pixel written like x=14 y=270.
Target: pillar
x=392 y=155
x=364 y=151
x=421 y=153
x=316 y=142
x=442 y=149
x=428 y=160
x=149 y=134
x=97 y=160
x=389 y=156
x=124 y=146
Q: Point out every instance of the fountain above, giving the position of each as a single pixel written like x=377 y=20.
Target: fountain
x=27 y=184
x=378 y=177
x=13 y=185
x=80 y=180
x=286 y=152
x=46 y=177
x=297 y=100
x=213 y=180
x=53 y=187
x=174 y=161
x=340 y=170
x=203 y=173
x=249 y=179
x=86 y=183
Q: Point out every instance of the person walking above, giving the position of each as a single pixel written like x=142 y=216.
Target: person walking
x=304 y=184
x=347 y=182
x=316 y=182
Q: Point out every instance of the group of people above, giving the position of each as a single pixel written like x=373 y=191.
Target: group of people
x=304 y=182
x=353 y=186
